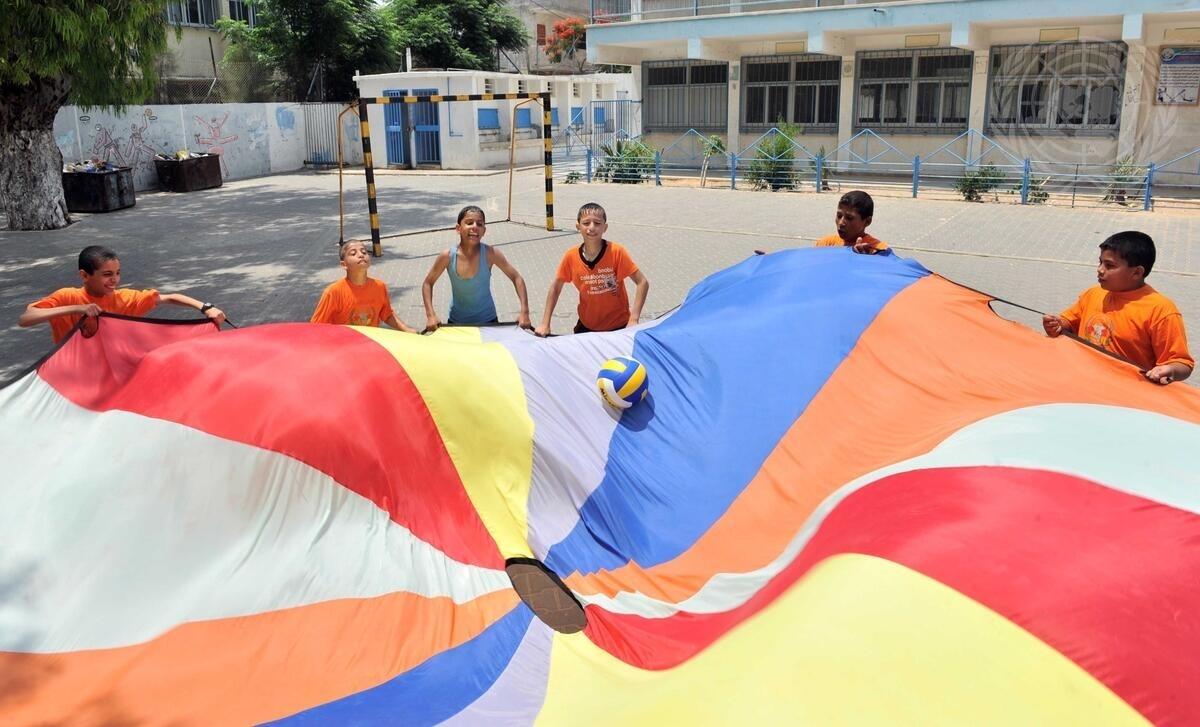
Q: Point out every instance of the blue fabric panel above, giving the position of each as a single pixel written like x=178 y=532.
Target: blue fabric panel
x=729 y=373
x=432 y=692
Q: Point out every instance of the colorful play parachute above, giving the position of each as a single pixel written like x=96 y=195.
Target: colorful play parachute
x=853 y=495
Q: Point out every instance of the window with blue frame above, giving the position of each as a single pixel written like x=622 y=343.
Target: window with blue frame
x=489 y=119
x=577 y=116
x=525 y=119
x=554 y=117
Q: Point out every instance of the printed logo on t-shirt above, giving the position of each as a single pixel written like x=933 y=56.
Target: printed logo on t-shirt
x=1097 y=330
x=361 y=316
x=599 y=281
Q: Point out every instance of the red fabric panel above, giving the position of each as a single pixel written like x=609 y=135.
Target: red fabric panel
x=325 y=395
x=1106 y=578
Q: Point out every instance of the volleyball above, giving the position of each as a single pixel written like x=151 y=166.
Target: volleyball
x=623 y=382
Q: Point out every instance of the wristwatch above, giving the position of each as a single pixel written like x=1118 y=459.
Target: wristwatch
x=204 y=308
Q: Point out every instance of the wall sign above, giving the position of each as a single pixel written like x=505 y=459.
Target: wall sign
x=1178 y=77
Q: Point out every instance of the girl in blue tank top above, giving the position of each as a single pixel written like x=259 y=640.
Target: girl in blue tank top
x=469 y=266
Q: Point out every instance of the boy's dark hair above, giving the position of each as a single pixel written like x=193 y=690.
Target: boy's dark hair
x=591 y=207
x=468 y=210
x=344 y=245
x=1135 y=248
x=93 y=256
x=860 y=202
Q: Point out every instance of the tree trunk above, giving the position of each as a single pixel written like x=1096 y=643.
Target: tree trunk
x=30 y=163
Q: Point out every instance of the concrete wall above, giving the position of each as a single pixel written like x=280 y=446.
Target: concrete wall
x=463 y=145
x=191 y=54
x=1149 y=132
x=252 y=139
x=1163 y=132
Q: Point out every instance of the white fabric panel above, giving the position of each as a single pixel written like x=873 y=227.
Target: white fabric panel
x=572 y=424
x=117 y=527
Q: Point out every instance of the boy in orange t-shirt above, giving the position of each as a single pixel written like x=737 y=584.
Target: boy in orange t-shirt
x=854 y=212
x=356 y=299
x=1127 y=317
x=100 y=271
x=598 y=269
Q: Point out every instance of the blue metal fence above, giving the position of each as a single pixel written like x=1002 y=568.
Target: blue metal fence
x=971 y=160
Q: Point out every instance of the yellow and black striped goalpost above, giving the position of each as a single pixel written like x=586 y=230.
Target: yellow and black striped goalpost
x=368 y=162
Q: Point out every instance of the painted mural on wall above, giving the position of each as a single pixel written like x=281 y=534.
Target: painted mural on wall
x=252 y=139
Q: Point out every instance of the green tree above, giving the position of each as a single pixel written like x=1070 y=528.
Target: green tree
x=315 y=47
x=458 y=33
x=94 y=52
x=569 y=42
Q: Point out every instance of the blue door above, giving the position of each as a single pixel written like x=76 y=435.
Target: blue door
x=425 y=125
x=393 y=122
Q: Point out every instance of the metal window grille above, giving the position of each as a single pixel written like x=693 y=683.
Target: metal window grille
x=576 y=91
x=192 y=12
x=489 y=86
x=801 y=89
x=243 y=11
x=681 y=95
x=522 y=86
x=1064 y=87
x=913 y=90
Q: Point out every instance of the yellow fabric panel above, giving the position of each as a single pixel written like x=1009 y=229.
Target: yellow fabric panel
x=474 y=393
x=459 y=334
x=858 y=641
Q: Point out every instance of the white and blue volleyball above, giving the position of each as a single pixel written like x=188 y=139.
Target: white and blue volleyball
x=623 y=382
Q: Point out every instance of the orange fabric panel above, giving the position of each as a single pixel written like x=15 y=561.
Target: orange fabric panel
x=603 y=301
x=357 y=305
x=835 y=240
x=124 y=301
x=1141 y=325
x=243 y=670
x=984 y=365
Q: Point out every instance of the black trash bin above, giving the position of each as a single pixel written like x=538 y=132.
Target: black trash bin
x=189 y=175
x=99 y=191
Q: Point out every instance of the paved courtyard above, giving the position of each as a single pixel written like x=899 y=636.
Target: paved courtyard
x=262 y=249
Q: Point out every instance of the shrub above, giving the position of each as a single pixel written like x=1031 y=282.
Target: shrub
x=713 y=146
x=1124 y=177
x=973 y=185
x=573 y=176
x=626 y=161
x=1037 y=190
x=774 y=161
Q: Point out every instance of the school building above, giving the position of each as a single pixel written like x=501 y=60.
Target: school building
x=478 y=134
x=1069 y=81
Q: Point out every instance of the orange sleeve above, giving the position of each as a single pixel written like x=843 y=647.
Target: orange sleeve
x=1169 y=338
x=565 y=273
x=143 y=302
x=327 y=308
x=1074 y=314
x=60 y=297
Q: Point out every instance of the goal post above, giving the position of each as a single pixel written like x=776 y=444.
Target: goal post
x=368 y=161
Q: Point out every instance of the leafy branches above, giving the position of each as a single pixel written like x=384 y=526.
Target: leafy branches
x=568 y=42
x=457 y=33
